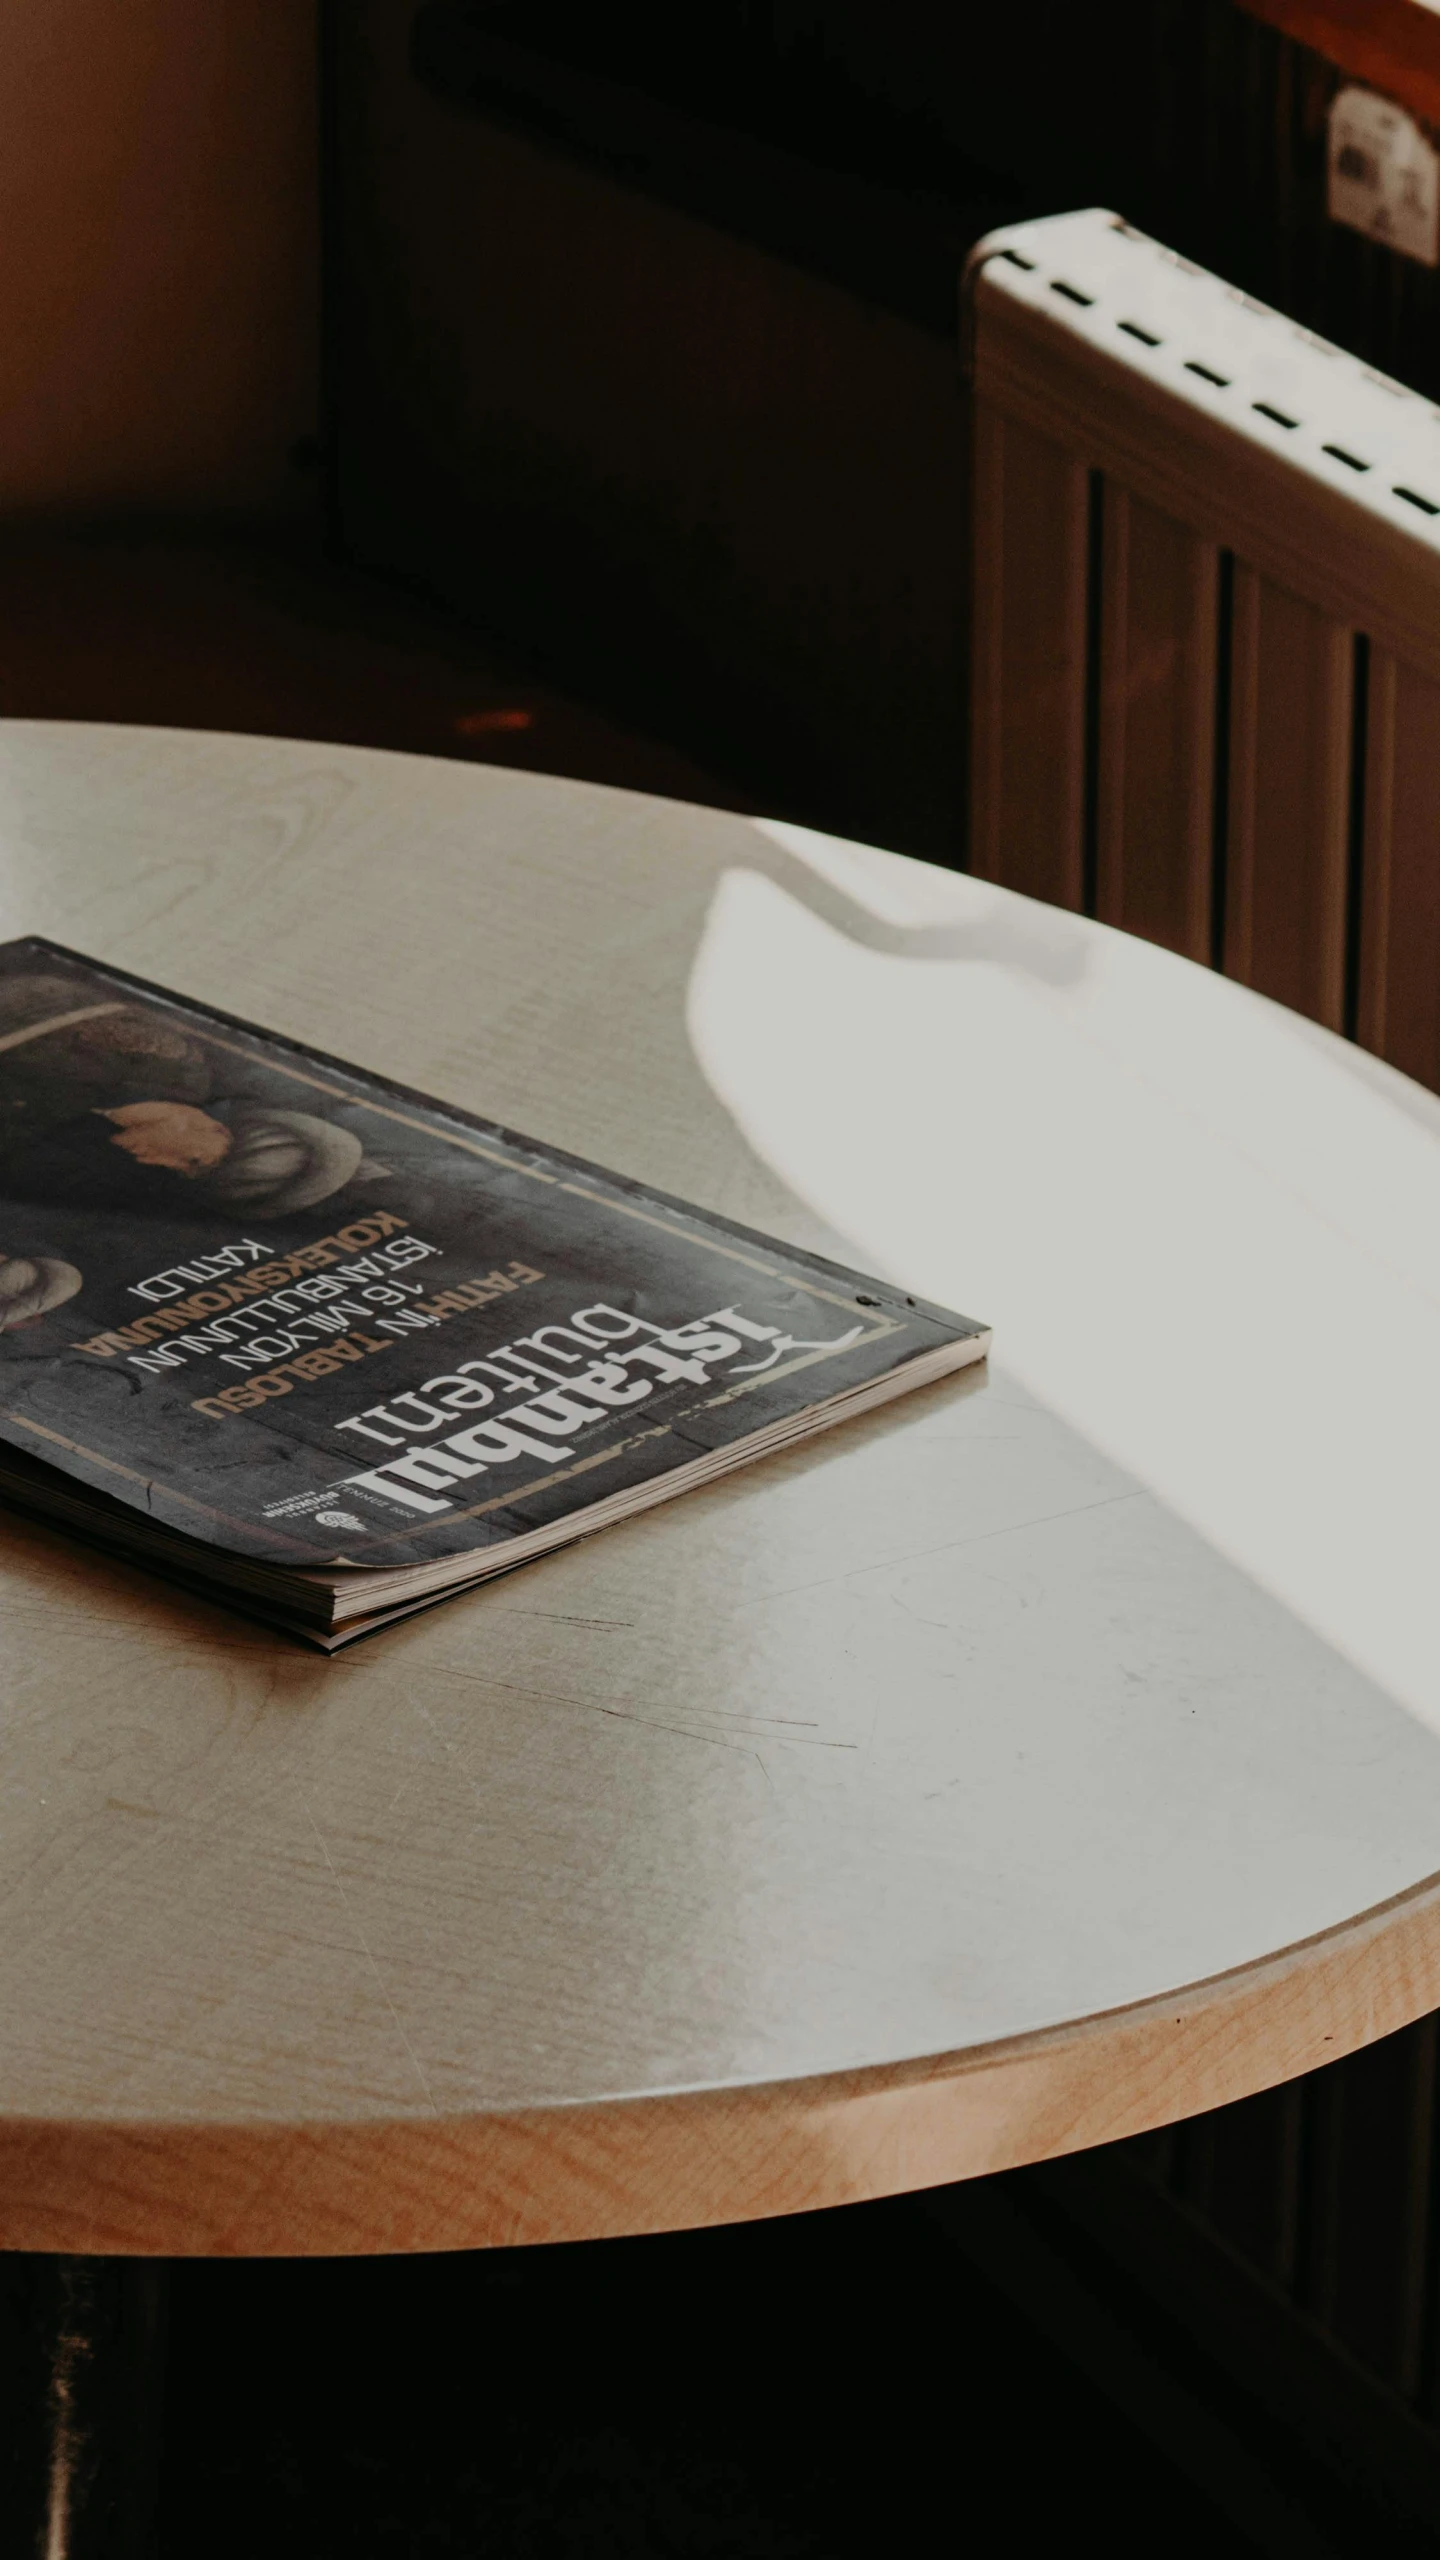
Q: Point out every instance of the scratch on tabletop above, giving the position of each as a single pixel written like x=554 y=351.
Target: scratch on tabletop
x=773 y=1724
x=726 y=1741
x=917 y=1555
x=779 y=1729
x=405 y=1784
x=567 y=1618
x=658 y=1724
x=397 y=2020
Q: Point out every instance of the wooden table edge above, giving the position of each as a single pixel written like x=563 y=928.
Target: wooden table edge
x=626 y=2166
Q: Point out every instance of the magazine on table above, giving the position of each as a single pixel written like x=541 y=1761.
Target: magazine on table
x=332 y=1350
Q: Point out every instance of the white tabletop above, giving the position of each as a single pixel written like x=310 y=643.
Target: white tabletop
x=1045 y=1757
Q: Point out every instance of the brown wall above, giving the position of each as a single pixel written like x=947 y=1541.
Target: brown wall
x=158 y=256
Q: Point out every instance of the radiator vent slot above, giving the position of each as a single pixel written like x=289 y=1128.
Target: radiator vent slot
x=1206 y=645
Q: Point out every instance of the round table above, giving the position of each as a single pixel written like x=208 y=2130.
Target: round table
x=1049 y=1756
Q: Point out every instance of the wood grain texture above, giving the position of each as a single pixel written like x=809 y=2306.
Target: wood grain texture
x=668 y=2163
x=1400 y=927
x=1304 y=537
x=1290 y=721
x=986 y=1781
x=1028 y=761
x=1157 y=726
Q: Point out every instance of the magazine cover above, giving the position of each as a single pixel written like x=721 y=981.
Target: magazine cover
x=304 y=1316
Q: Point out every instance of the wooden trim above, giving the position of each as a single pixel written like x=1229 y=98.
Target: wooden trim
x=1400 y=928
x=1239 y=956
x=1031 y=497
x=627 y=2166
x=1158 y=649
x=987 y=681
x=1373 y=1021
x=1393 y=45
x=1290 y=721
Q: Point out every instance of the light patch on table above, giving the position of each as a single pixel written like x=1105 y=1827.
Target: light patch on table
x=1222 y=1265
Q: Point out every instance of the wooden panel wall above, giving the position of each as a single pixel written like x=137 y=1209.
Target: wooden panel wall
x=1292 y=684
x=1120 y=682
x=1158 y=645
x=1028 y=672
x=1400 y=936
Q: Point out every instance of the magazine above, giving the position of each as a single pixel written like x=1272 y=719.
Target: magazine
x=332 y=1350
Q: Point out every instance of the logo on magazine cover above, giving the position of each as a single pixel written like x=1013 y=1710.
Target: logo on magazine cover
x=609 y=1361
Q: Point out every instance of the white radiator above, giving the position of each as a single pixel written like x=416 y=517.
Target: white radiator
x=1206 y=632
